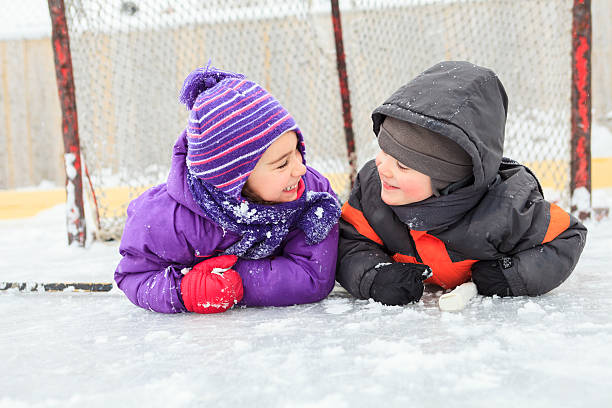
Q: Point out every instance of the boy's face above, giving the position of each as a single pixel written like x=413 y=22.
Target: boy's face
x=277 y=173
x=400 y=184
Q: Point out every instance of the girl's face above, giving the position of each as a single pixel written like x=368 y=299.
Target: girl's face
x=400 y=184
x=277 y=173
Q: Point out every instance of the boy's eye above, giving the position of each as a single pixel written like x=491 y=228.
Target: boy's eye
x=402 y=167
x=285 y=163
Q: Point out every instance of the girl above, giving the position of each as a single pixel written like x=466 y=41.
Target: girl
x=241 y=218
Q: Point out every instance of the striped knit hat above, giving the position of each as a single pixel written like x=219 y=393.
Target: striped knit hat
x=231 y=124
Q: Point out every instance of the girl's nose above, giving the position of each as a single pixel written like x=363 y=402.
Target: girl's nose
x=299 y=169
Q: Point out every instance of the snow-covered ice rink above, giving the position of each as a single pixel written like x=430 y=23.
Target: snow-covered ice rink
x=71 y=349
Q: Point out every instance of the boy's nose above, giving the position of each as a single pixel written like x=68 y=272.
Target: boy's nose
x=382 y=163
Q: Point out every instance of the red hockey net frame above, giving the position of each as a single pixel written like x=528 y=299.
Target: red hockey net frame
x=339 y=87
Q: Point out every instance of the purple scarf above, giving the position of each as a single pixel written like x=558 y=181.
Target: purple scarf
x=263 y=227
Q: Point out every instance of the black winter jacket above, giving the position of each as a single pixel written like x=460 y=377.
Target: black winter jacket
x=539 y=242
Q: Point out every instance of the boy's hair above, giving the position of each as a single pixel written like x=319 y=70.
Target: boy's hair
x=425 y=151
x=232 y=121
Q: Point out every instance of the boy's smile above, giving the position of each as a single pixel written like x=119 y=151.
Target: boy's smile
x=400 y=184
x=387 y=186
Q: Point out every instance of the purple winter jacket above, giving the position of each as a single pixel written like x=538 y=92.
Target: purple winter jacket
x=167 y=231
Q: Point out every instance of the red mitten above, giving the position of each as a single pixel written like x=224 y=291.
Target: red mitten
x=211 y=286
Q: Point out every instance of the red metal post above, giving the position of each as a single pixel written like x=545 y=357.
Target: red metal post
x=75 y=215
x=344 y=90
x=580 y=183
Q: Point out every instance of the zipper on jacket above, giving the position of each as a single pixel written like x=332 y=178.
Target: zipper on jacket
x=414 y=248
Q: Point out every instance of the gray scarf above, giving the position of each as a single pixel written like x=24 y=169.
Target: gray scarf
x=438 y=212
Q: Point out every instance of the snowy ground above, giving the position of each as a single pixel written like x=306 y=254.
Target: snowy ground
x=73 y=349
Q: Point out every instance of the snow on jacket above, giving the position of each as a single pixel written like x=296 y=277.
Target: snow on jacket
x=166 y=231
x=538 y=241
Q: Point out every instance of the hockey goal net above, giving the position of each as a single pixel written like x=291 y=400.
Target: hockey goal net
x=130 y=58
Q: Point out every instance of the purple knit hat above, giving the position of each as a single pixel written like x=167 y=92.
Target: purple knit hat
x=231 y=124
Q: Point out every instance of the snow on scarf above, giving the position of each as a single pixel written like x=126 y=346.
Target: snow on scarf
x=263 y=227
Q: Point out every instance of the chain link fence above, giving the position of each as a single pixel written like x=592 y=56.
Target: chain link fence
x=131 y=57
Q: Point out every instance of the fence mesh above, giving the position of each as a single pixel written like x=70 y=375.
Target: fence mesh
x=527 y=43
x=130 y=58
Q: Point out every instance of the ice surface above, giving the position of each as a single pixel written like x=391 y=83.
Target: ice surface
x=73 y=349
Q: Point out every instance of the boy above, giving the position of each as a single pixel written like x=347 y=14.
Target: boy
x=440 y=198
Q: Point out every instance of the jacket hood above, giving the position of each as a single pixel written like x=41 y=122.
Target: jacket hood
x=462 y=101
x=177 y=178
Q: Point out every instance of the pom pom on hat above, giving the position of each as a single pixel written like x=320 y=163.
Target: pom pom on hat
x=200 y=80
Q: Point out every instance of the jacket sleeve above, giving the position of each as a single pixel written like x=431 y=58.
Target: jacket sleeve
x=300 y=274
x=148 y=284
x=155 y=250
x=360 y=249
x=546 y=254
x=540 y=244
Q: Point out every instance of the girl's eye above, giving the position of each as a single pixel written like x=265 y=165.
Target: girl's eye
x=286 y=162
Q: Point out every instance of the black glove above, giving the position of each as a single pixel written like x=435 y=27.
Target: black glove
x=490 y=279
x=399 y=283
